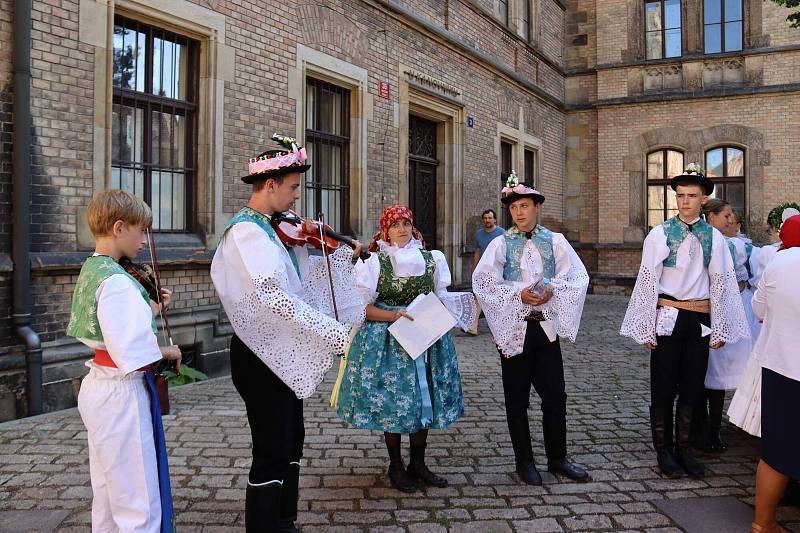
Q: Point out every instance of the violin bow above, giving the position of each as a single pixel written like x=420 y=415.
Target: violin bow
x=151 y=243
x=321 y=221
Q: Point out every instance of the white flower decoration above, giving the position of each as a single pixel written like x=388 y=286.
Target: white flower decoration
x=512 y=180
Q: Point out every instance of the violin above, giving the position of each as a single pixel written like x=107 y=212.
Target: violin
x=144 y=275
x=289 y=228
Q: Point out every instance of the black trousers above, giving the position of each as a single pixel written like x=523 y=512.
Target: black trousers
x=540 y=364
x=274 y=412
x=678 y=364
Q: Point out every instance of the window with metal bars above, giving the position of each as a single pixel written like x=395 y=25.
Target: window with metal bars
x=327 y=182
x=506 y=158
x=153 y=149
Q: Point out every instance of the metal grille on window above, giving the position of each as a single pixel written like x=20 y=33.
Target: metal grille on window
x=153 y=120
x=327 y=183
x=662 y=166
x=506 y=154
x=726 y=168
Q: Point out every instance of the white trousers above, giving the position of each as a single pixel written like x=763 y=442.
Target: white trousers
x=115 y=409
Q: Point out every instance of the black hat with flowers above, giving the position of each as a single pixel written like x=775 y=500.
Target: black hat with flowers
x=275 y=163
x=693 y=175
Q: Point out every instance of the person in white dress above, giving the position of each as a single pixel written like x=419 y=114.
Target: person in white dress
x=686 y=299
x=278 y=300
x=777 y=302
x=726 y=364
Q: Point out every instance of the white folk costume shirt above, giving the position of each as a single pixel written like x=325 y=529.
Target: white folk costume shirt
x=689 y=279
x=130 y=342
x=284 y=317
x=740 y=258
x=777 y=302
x=408 y=262
x=500 y=298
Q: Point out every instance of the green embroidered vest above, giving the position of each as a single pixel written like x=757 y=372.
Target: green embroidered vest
x=396 y=291
x=248 y=214
x=542 y=238
x=676 y=231
x=83 y=321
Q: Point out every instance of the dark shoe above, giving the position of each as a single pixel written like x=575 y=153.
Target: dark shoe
x=668 y=464
x=683 y=450
x=289 y=495
x=400 y=478
x=661 y=428
x=417 y=469
x=262 y=505
x=567 y=469
x=527 y=472
x=420 y=471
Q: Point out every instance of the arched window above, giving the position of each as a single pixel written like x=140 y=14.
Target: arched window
x=725 y=166
x=662 y=165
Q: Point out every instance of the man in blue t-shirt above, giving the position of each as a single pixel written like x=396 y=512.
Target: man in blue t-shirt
x=485 y=235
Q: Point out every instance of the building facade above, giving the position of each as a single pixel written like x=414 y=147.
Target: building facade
x=425 y=102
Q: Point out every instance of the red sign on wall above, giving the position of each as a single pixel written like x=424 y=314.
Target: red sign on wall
x=383 y=89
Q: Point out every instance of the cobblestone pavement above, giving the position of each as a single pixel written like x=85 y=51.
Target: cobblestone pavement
x=43 y=462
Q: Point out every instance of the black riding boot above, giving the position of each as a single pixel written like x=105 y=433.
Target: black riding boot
x=262 y=507
x=398 y=476
x=661 y=427
x=683 y=424
x=716 y=402
x=289 y=495
x=520 y=433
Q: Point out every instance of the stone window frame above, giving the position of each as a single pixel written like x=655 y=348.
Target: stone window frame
x=520 y=142
x=217 y=63
x=514 y=19
x=726 y=179
x=694 y=143
x=311 y=63
x=722 y=24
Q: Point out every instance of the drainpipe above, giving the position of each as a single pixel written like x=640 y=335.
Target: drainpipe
x=21 y=236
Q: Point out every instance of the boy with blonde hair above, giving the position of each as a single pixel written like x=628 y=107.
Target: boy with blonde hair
x=112 y=314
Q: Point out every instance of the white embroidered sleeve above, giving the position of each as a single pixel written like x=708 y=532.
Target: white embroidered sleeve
x=728 y=320
x=460 y=304
x=317 y=287
x=640 y=319
x=367 y=274
x=569 y=289
x=295 y=340
x=500 y=299
x=740 y=265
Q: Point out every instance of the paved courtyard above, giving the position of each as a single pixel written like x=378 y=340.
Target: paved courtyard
x=44 y=467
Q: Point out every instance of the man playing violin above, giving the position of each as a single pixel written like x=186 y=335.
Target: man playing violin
x=279 y=301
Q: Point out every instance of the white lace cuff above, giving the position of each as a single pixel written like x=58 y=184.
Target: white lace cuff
x=728 y=320
x=566 y=306
x=504 y=311
x=640 y=319
x=317 y=291
x=462 y=306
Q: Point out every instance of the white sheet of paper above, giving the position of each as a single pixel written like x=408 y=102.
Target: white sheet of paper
x=431 y=321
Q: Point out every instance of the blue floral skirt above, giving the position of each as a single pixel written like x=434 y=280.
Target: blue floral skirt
x=381 y=390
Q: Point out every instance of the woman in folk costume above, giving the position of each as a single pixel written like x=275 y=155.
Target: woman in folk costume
x=382 y=387
x=777 y=302
x=744 y=410
x=278 y=301
x=532 y=285
x=726 y=364
x=685 y=301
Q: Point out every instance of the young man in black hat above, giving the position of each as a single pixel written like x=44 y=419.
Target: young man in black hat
x=532 y=286
x=279 y=304
x=686 y=299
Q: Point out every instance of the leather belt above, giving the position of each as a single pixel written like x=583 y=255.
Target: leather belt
x=535 y=316
x=698 y=306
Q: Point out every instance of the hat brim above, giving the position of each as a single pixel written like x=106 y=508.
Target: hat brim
x=537 y=198
x=278 y=172
x=692 y=179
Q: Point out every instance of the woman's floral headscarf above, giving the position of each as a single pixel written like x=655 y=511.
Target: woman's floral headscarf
x=390 y=215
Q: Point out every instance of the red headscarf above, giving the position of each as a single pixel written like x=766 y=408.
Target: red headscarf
x=390 y=215
x=790 y=232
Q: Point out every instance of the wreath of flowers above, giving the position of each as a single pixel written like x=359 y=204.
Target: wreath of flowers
x=694 y=169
